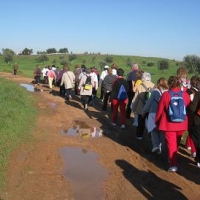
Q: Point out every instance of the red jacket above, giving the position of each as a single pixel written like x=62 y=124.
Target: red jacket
x=162 y=121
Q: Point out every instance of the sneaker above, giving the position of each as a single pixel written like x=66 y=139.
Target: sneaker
x=173 y=169
x=155 y=149
x=114 y=124
x=193 y=155
x=123 y=126
x=139 y=138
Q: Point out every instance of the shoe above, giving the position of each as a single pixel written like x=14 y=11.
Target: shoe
x=123 y=126
x=160 y=149
x=114 y=124
x=155 y=149
x=173 y=169
x=86 y=107
x=193 y=155
x=139 y=138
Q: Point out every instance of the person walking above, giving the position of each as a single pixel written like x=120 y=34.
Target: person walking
x=59 y=78
x=15 y=69
x=51 y=76
x=195 y=84
x=157 y=136
x=116 y=102
x=173 y=130
x=194 y=109
x=131 y=78
x=68 y=79
x=37 y=75
x=139 y=102
x=107 y=87
x=86 y=84
x=102 y=76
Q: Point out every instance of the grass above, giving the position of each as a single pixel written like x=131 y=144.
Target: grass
x=17 y=117
x=27 y=64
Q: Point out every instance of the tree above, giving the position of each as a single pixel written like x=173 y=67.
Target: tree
x=8 y=55
x=192 y=63
x=51 y=50
x=27 y=51
x=163 y=65
x=63 y=50
x=128 y=62
x=63 y=62
x=102 y=64
x=108 y=59
x=43 y=58
x=72 y=57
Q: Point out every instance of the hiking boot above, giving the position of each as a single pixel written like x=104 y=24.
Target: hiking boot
x=155 y=149
x=139 y=138
x=123 y=126
x=173 y=169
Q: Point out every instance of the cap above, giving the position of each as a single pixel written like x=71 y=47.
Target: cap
x=106 y=67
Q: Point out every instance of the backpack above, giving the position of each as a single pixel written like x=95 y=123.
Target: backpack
x=88 y=83
x=147 y=93
x=176 y=110
x=122 y=94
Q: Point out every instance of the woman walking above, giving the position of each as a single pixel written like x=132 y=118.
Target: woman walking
x=173 y=130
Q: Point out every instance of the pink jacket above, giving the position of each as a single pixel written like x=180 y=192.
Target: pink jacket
x=162 y=121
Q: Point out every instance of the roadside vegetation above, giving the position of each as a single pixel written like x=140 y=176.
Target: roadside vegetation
x=17 y=118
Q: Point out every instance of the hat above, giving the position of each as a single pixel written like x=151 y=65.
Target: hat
x=106 y=67
x=146 y=76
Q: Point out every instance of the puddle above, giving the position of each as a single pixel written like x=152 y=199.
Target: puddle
x=84 y=173
x=82 y=129
x=30 y=87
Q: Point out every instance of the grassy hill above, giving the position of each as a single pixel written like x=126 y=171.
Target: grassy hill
x=27 y=64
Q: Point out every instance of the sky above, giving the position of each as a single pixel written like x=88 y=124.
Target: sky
x=148 y=28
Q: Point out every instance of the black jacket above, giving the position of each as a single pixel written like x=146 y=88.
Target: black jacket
x=193 y=108
x=116 y=86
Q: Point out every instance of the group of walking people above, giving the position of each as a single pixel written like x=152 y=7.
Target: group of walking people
x=136 y=96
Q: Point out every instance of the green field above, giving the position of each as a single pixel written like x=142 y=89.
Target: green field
x=17 y=118
x=27 y=64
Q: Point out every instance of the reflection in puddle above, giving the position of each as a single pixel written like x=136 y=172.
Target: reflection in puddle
x=82 y=129
x=29 y=87
x=84 y=173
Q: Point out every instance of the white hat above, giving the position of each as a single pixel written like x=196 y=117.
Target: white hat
x=146 y=76
x=106 y=67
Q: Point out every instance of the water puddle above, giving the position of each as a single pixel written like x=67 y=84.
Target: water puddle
x=80 y=128
x=30 y=87
x=84 y=173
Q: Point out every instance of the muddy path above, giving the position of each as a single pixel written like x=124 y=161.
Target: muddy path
x=36 y=171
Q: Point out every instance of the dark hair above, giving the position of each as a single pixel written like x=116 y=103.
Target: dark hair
x=120 y=72
x=173 y=82
x=195 y=81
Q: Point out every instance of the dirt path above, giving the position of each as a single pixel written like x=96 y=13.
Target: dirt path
x=36 y=171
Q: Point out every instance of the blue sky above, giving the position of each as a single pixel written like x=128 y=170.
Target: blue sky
x=150 y=28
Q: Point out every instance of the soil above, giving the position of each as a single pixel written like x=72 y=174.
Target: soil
x=35 y=170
